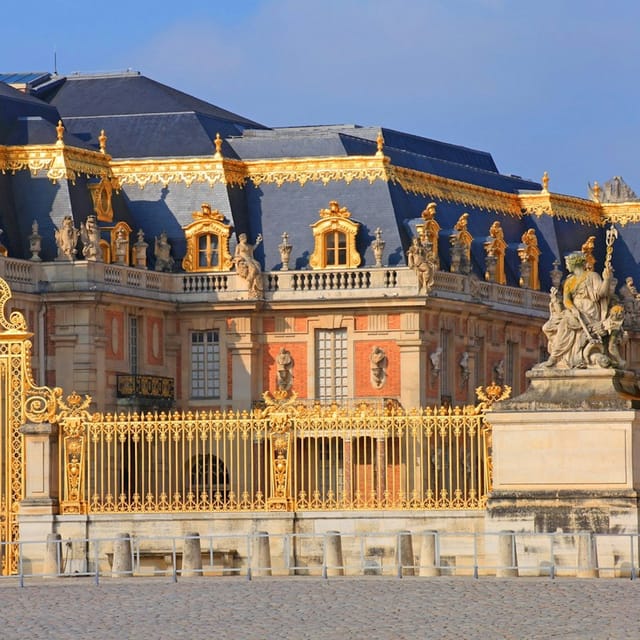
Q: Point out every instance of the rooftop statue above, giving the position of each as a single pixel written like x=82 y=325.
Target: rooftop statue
x=66 y=239
x=248 y=267
x=90 y=238
x=422 y=263
x=584 y=328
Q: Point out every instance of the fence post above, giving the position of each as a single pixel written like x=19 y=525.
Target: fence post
x=404 y=554
x=261 y=555
x=429 y=557
x=333 y=565
x=587 y=556
x=52 y=555
x=191 y=556
x=507 y=558
x=122 y=561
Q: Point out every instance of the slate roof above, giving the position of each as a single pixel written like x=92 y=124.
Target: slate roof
x=144 y=118
x=141 y=117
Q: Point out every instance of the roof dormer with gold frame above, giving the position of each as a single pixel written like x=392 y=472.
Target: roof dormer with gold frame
x=101 y=194
x=207 y=240
x=335 y=239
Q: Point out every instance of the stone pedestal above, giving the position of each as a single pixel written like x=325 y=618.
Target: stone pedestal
x=566 y=453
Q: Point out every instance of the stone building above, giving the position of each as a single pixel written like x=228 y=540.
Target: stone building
x=167 y=253
x=165 y=310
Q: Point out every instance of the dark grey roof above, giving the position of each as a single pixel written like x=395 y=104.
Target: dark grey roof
x=141 y=117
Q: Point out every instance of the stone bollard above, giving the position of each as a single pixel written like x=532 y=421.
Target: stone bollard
x=429 y=560
x=52 y=555
x=261 y=561
x=333 y=554
x=507 y=558
x=191 y=556
x=122 y=560
x=587 y=556
x=404 y=554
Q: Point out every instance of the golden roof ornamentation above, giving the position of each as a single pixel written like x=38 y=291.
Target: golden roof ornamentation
x=60 y=133
x=335 y=210
x=218 y=143
x=102 y=139
x=380 y=144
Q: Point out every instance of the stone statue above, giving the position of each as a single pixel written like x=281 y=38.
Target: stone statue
x=435 y=363
x=498 y=372
x=460 y=242
x=35 y=243
x=285 y=248
x=429 y=232
x=140 y=251
x=164 y=260
x=378 y=364
x=66 y=240
x=378 y=247
x=422 y=263
x=90 y=239
x=529 y=253
x=464 y=367
x=284 y=364
x=579 y=329
x=122 y=246
x=248 y=267
x=495 y=248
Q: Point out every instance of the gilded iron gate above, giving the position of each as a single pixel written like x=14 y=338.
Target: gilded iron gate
x=20 y=402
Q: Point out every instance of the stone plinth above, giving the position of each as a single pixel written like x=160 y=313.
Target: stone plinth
x=566 y=453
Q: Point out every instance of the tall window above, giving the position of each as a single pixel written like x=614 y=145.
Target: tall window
x=446 y=369
x=208 y=253
x=336 y=249
x=133 y=344
x=205 y=364
x=331 y=364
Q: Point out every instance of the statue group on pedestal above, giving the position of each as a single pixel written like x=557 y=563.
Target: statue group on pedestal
x=585 y=323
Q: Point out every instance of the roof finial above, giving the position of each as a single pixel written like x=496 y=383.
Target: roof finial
x=380 y=143
x=218 y=143
x=60 y=132
x=596 y=191
x=545 y=182
x=102 y=139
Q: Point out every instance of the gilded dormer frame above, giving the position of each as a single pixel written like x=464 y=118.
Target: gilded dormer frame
x=101 y=195
x=335 y=239
x=207 y=223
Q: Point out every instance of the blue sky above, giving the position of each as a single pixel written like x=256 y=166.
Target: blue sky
x=544 y=85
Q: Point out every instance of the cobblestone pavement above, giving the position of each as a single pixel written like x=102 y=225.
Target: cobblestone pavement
x=299 y=608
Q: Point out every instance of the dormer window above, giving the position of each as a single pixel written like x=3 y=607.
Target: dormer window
x=335 y=239
x=207 y=242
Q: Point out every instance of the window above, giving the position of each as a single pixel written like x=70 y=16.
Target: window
x=331 y=364
x=336 y=249
x=208 y=253
x=133 y=344
x=445 y=367
x=207 y=240
x=335 y=239
x=205 y=364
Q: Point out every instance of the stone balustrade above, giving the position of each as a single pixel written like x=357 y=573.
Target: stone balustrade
x=279 y=286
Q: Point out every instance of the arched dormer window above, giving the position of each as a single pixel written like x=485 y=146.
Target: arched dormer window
x=335 y=239
x=207 y=242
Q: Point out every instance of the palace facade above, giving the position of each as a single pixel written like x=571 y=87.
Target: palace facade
x=168 y=253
